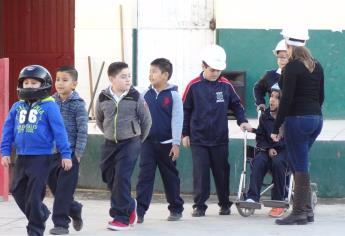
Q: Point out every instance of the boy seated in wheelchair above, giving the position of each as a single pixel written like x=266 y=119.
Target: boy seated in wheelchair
x=269 y=156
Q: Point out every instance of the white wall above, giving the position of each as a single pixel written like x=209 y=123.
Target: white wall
x=276 y=14
x=179 y=29
x=176 y=30
x=97 y=34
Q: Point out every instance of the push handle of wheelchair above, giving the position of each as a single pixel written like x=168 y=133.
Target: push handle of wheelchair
x=260 y=111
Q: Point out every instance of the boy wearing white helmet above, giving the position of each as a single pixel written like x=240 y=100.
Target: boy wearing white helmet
x=263 y=86
x=206 y=102
x=269 y=156
x=302 y=86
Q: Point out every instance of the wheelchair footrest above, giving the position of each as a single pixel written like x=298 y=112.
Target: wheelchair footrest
x=248 y=205
x=275 y=204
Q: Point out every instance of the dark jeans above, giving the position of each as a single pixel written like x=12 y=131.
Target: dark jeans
x=300 y=133
x=63 y=184
x=153 y=155
x=117 y=165
x=28 y=190
x=216 y=159
x=261 y=164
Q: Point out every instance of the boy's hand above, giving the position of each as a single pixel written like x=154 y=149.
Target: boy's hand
x=186 y=141
x=66 y=164
x=174 y=152
x=5 y=161
x=261 y=107
x=78 y=159
x=246 y=126
x=272 y=152
x=275 y=137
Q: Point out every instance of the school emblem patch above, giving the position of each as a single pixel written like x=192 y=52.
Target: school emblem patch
x=220 y=97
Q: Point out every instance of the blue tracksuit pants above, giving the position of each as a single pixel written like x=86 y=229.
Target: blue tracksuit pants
x=153 y=155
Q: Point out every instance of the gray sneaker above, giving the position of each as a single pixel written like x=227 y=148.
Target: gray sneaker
x=77 y=221
x=58 y=231
x=174 y=216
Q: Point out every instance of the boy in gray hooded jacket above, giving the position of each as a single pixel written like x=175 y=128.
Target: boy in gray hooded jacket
x=124 y=118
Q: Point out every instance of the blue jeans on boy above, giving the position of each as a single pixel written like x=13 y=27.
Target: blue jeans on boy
x=63 y=184
x=153 y=155
x=261 y=164
x=117 y=165
x=28 y=189
x=300 y=132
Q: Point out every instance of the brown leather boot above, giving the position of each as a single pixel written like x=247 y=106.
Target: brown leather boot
x=298 y=214
x=308 y=206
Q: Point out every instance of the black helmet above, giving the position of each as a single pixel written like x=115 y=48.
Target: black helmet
x=38 y=73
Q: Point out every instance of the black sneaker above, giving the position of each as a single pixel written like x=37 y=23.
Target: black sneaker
x=174 y=216
x=198 y=212
x=140 y=219
x=59 y=231
x=224 y=211
x=77 y=222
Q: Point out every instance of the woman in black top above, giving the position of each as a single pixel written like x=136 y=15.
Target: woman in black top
x=302 y=84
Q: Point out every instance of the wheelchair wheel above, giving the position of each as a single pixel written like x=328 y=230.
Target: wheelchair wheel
x=245 y=212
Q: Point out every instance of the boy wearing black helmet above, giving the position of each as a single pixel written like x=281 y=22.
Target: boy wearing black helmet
x=34 y=126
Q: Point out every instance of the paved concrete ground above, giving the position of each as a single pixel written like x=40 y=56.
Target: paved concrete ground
x=330 y=220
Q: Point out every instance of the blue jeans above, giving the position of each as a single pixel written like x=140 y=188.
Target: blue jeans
x=300 y=133
x=63 y=184
x=117 y=165
x=261 y=164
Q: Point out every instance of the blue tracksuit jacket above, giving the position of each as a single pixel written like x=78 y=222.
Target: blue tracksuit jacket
x=35 y=129
x=167 y=115
x=205 y=106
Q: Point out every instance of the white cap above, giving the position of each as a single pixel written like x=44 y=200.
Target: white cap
x=281 y=46
x=296 y=36
x=214 y=56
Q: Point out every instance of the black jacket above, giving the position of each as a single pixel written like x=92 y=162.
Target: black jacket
x=263 y=86
x=303 y=92
x=264 y=131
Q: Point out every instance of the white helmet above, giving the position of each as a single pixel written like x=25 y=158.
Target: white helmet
x=295 y=36
x=214 y=56
x=281 y=46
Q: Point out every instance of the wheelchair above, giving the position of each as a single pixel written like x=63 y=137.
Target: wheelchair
x=247 y=209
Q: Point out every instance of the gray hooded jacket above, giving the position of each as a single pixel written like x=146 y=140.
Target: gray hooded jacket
x=128 y=118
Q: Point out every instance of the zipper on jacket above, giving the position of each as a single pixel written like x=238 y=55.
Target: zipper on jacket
x=115 y=119
x=133 y=129
x=25 y=122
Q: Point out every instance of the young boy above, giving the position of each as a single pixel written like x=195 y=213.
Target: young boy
x=62 y=183
x=162 y=146
x=269 y=155
x=124 y=118
x=206 y=102
x=263 y=86
x=34 y=125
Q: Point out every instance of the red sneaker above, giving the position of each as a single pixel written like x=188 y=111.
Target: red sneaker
x=133 y=218
x=117 y=225
x=276 y=212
